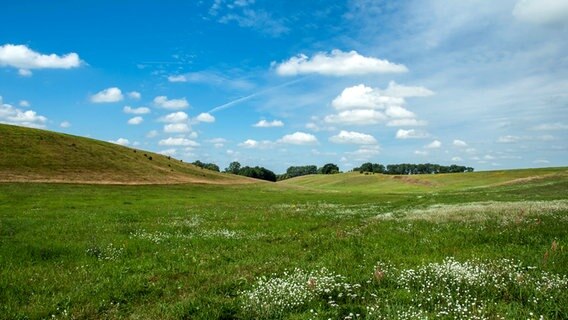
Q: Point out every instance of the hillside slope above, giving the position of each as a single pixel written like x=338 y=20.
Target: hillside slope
x=34 y=155
x=354 y=181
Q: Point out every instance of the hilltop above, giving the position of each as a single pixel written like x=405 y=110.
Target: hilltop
x=354 y=181
x=34 y=155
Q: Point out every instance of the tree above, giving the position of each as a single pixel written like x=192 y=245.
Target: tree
x=329 y=168
x=234 y=167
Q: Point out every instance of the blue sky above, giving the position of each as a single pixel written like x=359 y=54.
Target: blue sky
x=280 y=83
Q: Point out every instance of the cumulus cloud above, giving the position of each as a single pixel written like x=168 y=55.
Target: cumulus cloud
x=25 y=72
x=406 y=123
x=25 y=59
x=172 y=104
x=65 y=124
x=178 y=142
x=458 y=159
x=120 y=141
x=402 y=91
x=410 y=134
x=459 y=143
x=28 y=118
x=543 y=12
x=134 y=95
x=399 y=112
x=175 y=117
x=299 y=138
x=356 y=117
x=176 y=128
x=363 y=97
x=436 y=144
x=205 y=117
x=352 y=137
x=337 y=63
x=268 y=124
x=249 y=143
x=141 y=110
x=421 y=152
x=136 y=120
x=24 y=104
x=108 y=95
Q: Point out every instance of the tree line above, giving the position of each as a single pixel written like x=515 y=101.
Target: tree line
x=411 y=168
x=331 y=168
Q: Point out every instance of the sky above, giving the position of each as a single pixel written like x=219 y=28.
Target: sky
x=285 y=83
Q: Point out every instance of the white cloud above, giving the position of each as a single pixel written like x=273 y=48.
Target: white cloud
x=399 y=112
x=337 y=63
x=178 y=142
x=410 y=134
x=402 y=91
x=177 y=78
x=65 y=124
x=459 y=143
x=172 y=104
x=24 y=59
x=25 y=72
x=249 y=143
x=356 y=117
x=436 y=144
x=108 y=95
x=268 y=124
x=168 y=152
x=217 y=142
x=24 y=104
x=353 y=137
x=12 y=115
x=136 y=120
x=544 y=12
x=176 y=128
x=175 y=117
x=299 y=138
x=457 y=159
x=406 y=123
x=134 y=95
x=205 y=117
x=551 y=126
x=363 y=97
x=141 y=110
x=120 y=141
x=508 y=139
x=152 y=134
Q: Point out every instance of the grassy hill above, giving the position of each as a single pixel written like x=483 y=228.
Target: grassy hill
x=354 y=181
x=34 y=155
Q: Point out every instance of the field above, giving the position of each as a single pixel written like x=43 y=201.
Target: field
x=464 y=246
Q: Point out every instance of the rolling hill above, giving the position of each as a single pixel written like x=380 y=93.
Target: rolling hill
x=33 y=155
x=354 y=181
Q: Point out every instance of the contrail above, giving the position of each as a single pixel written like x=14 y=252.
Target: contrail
x=250 y=96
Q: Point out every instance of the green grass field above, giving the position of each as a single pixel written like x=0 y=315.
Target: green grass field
x=139 y=243
x=201 y=251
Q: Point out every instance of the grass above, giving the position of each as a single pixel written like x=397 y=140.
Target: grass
x=44 y=156
x=138 y=243
x=203 y=251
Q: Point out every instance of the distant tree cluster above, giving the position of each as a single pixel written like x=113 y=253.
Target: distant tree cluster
x=208 y=166
x=252 y=172
x=371 y=168
x=409 y=168
x=296 y=171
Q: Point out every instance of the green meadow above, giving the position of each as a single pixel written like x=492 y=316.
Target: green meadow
x=485 y=245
